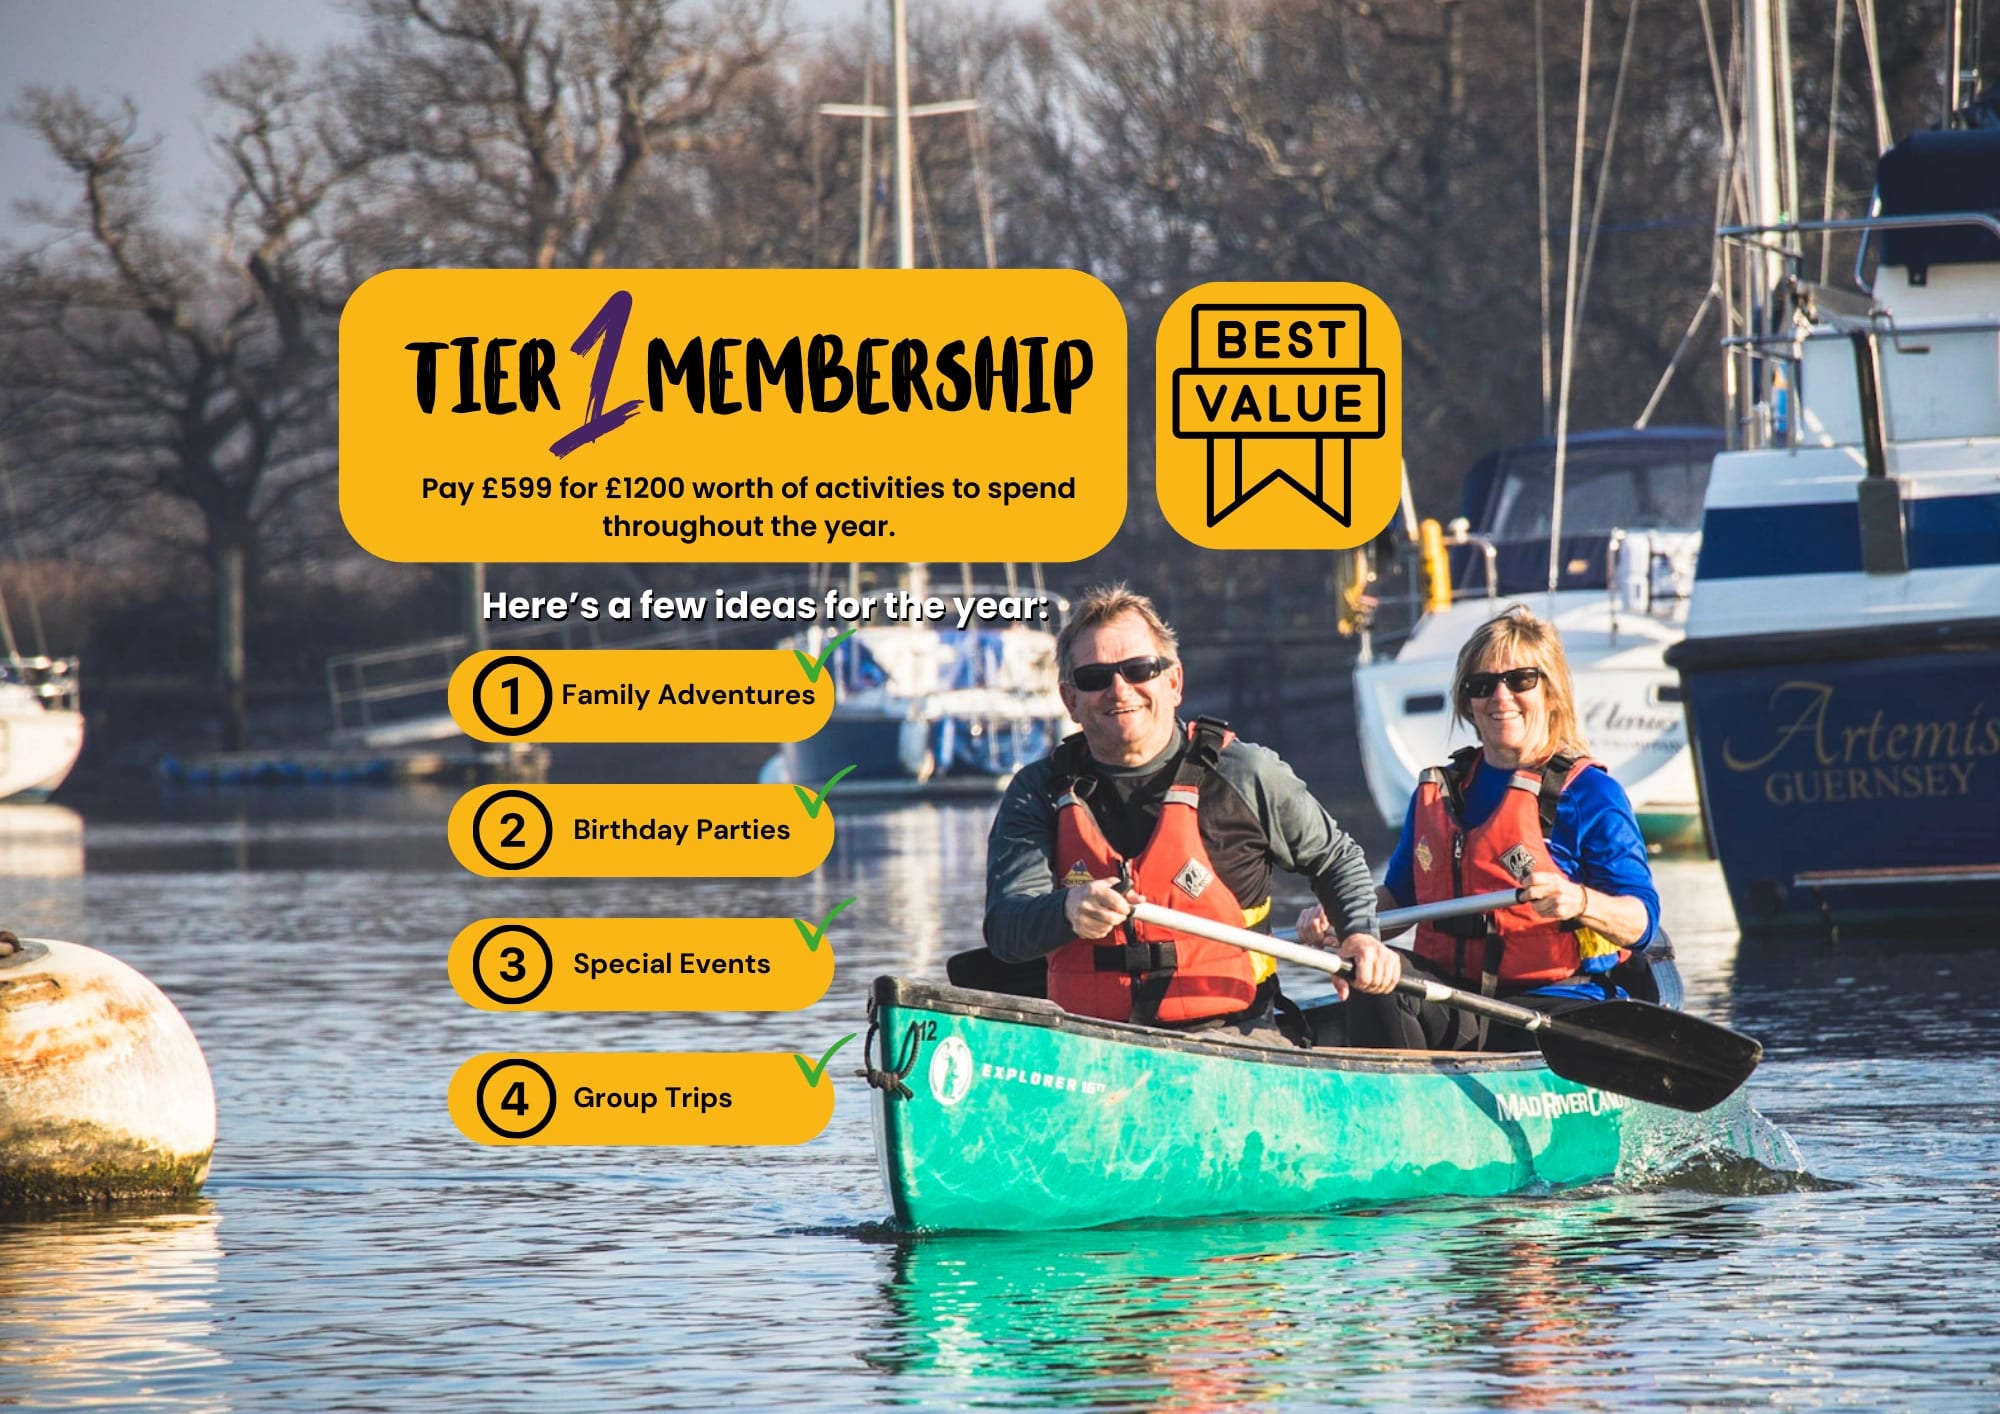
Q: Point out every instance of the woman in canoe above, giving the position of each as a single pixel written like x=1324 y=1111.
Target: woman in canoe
x=1527 y=807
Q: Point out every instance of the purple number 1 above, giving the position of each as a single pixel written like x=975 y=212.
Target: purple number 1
x=608 y=325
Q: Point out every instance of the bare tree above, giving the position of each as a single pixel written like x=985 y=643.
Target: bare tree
x=175 y=390
x=510 y=133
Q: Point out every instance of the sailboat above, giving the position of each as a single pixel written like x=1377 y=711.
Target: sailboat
x=1842 y=659
x=1626 y=550
x=929 y=710
x=920 y=709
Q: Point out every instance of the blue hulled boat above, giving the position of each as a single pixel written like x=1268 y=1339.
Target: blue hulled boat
x=1842 y=660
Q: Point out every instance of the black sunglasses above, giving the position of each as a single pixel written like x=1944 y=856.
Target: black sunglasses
x=1518 y=680
x=1095 y=677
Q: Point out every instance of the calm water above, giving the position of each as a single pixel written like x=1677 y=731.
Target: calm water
x=354 y=1252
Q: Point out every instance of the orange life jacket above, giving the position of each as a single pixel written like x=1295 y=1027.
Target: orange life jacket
x=1142 y=972
x=1520 y=948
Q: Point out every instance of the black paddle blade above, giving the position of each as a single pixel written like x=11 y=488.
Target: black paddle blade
x=1650 y=1053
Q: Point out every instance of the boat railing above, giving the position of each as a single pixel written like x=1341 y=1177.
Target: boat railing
x=1489 y=553
x=55 y=682
x=1634 y=561
x=1764 y=352
x=381 y=686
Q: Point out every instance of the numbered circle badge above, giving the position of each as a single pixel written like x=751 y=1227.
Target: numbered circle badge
x=512 y=829
x=516 y=1098
x=512 y=695
x=512 y=964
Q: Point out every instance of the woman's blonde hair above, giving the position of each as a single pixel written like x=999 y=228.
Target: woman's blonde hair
x=1517 y=639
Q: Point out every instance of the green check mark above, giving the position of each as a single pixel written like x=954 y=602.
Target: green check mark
x=813 y=1072
x=814 y=936
x=811 y=801
x=813 y=666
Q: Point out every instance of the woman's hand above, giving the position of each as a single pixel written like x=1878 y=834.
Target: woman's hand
x=1553 y=896
x=1313 y=929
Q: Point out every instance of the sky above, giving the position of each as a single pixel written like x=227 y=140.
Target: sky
x=156 y=51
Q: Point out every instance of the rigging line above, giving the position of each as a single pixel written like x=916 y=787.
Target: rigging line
x=1604 y=162
x=981 y=187
x=1569 y=301
x=1674 y=364
x=1542 y=209
x=867 y=133
x=1788 y=126
x=975 y=142
x=1832 y=141
x=924 y=206
x=1870 y=41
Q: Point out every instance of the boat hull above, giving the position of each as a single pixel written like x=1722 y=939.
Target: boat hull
x=1018 y=1116
x=38 y=746
x=1626 y=697
x=1852 y=780
x=899 y=754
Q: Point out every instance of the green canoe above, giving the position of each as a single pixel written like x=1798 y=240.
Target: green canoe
x=999 y=1112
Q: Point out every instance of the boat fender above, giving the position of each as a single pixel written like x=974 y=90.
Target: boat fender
x=104 y=1091
x=1437 y=567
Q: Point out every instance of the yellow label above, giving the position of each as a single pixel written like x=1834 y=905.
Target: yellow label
x=1279 y=416
x=732 y=415
x=751 y=694
x=686 y=1097
x=641 y=964
x=641 y=831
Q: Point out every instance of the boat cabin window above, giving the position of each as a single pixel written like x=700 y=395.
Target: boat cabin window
x=1656 y=487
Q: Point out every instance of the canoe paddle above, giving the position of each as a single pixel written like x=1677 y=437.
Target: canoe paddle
x=1646 y=1052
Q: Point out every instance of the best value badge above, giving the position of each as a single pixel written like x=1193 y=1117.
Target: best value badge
x=1280 y=416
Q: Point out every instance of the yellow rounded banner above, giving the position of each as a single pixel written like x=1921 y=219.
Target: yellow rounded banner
x=642 y=964
x=1279 y=416
x=642 y=831
x=732 y=415
x=749 y=694
x=622 y=1097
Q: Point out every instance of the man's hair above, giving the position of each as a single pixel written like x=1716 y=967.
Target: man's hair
x=1517 y=639
x=1099 y=606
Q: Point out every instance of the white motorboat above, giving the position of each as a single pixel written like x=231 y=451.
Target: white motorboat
x=1625 y=558
x=41 y=728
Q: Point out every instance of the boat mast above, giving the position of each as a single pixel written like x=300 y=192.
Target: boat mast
x=1763 y=266
x=906 y=241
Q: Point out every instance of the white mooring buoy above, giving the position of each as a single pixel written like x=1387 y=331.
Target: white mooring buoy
x=104 y=1092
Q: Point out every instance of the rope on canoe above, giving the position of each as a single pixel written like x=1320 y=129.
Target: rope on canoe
x=891 y=1080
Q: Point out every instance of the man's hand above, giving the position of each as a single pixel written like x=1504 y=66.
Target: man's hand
x=1377 y=968
x=1553 y=896
x=1095 y=908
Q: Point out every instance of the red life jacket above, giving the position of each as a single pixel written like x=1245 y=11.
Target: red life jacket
x=1520 y=949
x=1142 y=972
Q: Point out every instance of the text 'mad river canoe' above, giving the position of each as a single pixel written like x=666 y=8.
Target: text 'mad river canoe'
x=1000 y=1112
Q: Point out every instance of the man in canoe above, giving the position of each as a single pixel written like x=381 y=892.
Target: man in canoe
x=1143 y=807
x=1527 y=807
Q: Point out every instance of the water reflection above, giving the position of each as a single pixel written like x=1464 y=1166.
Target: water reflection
x=98 y=1307
x=1910 y=997
x=1529 y=1309
x=40 y=842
